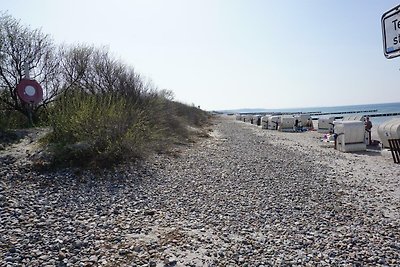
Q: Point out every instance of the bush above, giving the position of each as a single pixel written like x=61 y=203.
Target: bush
x=11 y=119
x=87 y=128
x=104 y=129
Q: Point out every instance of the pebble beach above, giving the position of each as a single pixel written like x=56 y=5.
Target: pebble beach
x=243 y=196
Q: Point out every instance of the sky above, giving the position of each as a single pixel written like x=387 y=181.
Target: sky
x=231 y=54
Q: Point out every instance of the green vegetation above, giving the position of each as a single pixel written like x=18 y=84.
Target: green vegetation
x=104 y=129
x=100 y=110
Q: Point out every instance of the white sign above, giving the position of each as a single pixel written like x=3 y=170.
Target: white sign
x=30 y=90
x=391 y=32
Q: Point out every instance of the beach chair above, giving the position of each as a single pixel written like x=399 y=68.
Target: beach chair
x=395 y=149
x=350 y=136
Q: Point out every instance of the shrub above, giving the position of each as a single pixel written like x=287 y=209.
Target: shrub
x=87 y=127
x=104 y=129
x=11 y=119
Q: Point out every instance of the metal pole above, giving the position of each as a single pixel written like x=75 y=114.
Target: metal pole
x=29 y=106
x=26 y=68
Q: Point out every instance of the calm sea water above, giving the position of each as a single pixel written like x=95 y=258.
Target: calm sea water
x=380 y=108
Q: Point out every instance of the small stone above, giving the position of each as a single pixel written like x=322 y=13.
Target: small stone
x=77 y=244
x=137 y=249
x=122 y=252
x=382 y=261
x=149 y=212
x=93 y=258
x=44 y=257
x=61 y=255
x=170 y=261
x=74 y=259
x=9 y=259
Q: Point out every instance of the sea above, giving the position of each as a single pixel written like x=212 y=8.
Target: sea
x=368 y=109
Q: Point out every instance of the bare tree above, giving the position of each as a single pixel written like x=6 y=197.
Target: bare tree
x=95 y=71
x=75 y=62
x=19 y=45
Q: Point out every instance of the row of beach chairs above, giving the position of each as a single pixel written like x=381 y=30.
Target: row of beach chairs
x=284 y=123
x=349 y=133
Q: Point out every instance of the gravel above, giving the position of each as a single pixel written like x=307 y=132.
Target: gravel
x=242 y=197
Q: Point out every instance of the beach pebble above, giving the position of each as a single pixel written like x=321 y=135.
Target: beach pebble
x=242 y=197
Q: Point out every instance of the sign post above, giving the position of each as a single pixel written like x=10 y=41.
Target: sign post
x=391 y=32
x=29 y=91
x=26 y=70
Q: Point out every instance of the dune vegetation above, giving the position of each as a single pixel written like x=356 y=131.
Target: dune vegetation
x=100 y=111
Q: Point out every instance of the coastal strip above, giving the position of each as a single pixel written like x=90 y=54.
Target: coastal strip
x=243 y=196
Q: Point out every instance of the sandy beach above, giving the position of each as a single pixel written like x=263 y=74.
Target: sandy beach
x=242 y=197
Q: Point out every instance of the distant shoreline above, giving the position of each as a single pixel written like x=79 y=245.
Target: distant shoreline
x=381 y=107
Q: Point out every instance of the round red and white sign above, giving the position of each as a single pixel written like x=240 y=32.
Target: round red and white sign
x=30 y=91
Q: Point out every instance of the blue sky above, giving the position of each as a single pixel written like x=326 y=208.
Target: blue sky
x=226 y=54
